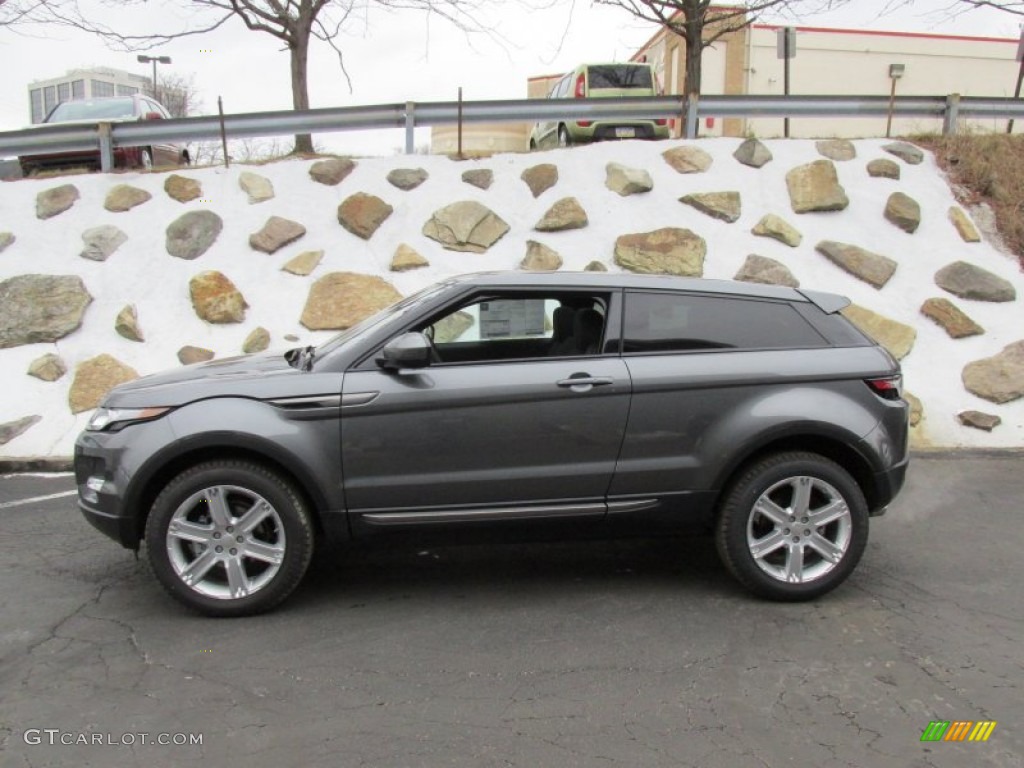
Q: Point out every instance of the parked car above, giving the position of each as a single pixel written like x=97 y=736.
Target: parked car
x=528 y=404
x=596 y=81
x=121 y=109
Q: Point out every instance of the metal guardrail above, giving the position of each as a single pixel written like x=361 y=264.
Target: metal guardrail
x=410 y=115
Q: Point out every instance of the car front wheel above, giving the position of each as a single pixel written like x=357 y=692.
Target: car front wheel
x=793 y=526
x=229 y=538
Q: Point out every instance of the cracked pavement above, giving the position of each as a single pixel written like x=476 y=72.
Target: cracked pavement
x=638 y=653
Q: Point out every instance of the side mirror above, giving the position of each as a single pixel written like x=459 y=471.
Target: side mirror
x=410 y=350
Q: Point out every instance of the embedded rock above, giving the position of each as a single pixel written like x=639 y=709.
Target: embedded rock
x=916 y=409
x=51 y=202
x=339 y=300
x=124 y=197
x=189 y=355
x=290 y=337
x=40 y=308
x=49 y=367
x=894 y=336
x=979 y=420
x=567 y=213
x=688 y=159
x=964 y=226
x=667 y=251
x=1000 y=378
x=6 y=238
x=258 y=188
x=779 y=229
x=127 y=324
x=276 y=234
x=836 y=149
x=724 y=206
x=885 y=169
x=257 y=341
x=753 y=153
x=540 y=178
x=908 y=153
x=627 y=181
x=465 y=226
x=216 y=299
x=953 y=321
x=540 y=258
x=903 y=211
x=815 y=187
x=970 y=282
x=102 y=241
x=761 y=269
x=190 y=235
x=304 y=263
x=11 y=429
x=94 y=379
x=331 y=171
x=406 y=257
x=182 y=188
x=595 y=266
x=362 y=214
x=872 y=268
x=407 y=178
x=481 y=178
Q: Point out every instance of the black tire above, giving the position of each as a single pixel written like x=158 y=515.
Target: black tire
x=146 y=159
x=564 y=140
x=204 y=508
x=766 y=532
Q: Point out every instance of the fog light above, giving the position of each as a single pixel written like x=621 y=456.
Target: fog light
x=92 y=488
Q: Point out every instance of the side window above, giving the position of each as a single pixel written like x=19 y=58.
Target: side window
x=563 y=87
x=670 y=322
x=518 y=327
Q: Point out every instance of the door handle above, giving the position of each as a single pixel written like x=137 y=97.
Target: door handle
x=583 y=380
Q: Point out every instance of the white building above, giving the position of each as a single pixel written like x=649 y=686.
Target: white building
x=44 y=95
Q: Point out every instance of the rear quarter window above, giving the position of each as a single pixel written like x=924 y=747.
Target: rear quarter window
x=670 y=322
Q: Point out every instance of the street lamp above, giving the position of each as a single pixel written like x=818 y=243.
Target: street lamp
x=146 y=60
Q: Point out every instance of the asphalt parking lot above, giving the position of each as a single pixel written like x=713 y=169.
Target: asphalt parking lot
x=601 y=654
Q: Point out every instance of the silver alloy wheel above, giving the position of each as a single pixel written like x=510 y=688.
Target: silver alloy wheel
x=799 y=529
x=225 y=542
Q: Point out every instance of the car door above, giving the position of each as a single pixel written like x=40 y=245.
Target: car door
x=487 y=439
x=547 y=134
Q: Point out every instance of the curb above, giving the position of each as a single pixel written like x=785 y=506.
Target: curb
x=36 y=464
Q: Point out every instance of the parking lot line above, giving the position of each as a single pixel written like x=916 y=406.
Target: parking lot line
x=20 y=502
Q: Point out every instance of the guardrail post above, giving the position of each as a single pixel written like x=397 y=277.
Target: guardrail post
x=952 y=114
x=691 y=115
x=410 y=124
x=106 y=148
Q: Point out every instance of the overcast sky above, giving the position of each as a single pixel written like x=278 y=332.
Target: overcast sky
x=406 y=55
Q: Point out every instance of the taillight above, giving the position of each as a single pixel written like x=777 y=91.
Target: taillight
x=888 y=388
x=581 y=86
x=584 y=123
x=661 y=121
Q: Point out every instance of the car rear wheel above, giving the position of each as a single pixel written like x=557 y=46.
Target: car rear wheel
x=563 y=137
x=229 y=538
x=146 y=159
x=793 y=526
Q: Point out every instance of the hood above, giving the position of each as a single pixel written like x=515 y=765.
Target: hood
x=261 y=376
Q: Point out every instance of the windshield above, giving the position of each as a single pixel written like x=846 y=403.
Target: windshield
x=395 y=310
x=91 y=109
x=620 y=76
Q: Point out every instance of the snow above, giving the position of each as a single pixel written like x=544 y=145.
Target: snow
x=141 y=272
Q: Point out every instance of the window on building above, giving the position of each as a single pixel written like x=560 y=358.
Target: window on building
x=63 y=91
x=671 y=322
x=78 y=89
x=49 y=98
x=126 y=90
x=36 y=102
x=102 y=88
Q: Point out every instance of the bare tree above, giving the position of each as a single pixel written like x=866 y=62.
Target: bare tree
x=296 y=23
x=179 y=94
x=701 y=22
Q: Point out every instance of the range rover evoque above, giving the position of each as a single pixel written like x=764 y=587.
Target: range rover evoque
x=581 y=404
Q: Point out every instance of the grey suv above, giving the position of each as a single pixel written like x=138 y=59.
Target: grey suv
x=567 y=404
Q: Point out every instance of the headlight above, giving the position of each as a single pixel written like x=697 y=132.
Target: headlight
x=113 y=419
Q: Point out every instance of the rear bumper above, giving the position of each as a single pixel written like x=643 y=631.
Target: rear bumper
x=887 y=485
x=624 y=129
